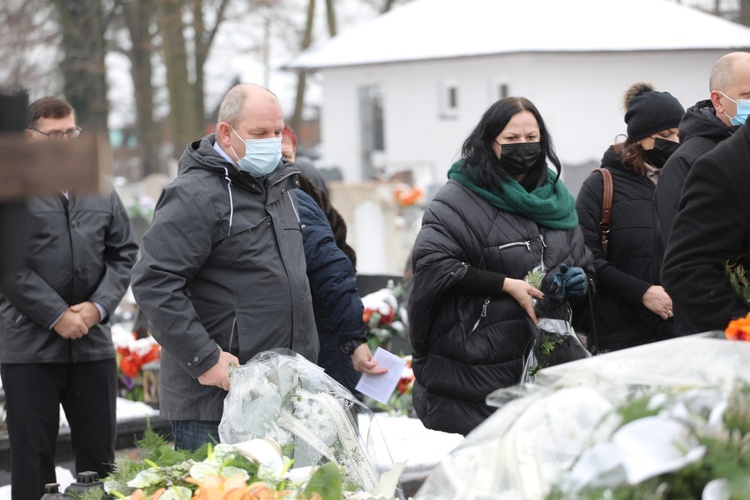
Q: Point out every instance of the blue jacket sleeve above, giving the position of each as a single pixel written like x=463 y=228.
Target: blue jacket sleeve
x=333 y=285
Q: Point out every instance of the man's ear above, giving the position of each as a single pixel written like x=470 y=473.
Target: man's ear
x=224 y=134
x=716 y=101
x=29 y=134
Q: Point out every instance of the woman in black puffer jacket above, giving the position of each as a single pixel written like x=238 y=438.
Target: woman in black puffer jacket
x=501 y=214
x=631 y=306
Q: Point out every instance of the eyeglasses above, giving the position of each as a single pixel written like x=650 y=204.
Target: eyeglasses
x=58 y=136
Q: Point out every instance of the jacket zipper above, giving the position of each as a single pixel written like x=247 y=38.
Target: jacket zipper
x=483 y=315
x=291 y=202
x=544 y=245
x=66 y=206
x=527 y=244
x=658 y=251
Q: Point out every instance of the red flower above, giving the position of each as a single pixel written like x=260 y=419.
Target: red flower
x=388 y=318
x=403 y=385
x=130 y=365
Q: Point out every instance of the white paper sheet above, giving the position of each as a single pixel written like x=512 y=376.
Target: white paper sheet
x=380 y=387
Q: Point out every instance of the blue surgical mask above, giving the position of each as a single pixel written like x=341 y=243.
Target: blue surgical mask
x=261 y=155
x=743 y=110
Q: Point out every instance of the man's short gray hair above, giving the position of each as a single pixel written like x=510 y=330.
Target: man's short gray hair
x=723 y=74
x=231 y=107
x=230 y=110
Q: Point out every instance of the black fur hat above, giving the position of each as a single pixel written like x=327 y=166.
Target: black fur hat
x=649 y=111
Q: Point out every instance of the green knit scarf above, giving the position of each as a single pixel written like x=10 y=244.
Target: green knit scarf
x=550 y=205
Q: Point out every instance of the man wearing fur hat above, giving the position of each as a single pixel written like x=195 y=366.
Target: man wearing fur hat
x=632 y=308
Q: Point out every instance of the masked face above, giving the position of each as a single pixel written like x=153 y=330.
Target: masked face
x=743 y=110
x=517 y=146
x=261 y=155
x=661 y=152
x=520 y=157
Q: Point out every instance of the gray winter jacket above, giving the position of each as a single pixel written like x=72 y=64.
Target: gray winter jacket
x=222 y=267
x=79 y=250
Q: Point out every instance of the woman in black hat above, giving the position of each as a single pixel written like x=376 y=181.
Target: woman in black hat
x=631 y=306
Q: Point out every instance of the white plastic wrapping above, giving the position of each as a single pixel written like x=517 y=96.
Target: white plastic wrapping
x=564 y=431
x=553 y=339
x=553 y=342
x=278 y=394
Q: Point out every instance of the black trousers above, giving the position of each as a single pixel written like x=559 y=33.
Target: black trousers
x=33 y=394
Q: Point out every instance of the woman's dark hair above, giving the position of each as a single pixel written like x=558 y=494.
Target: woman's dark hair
x=632 y=156
x=481 y=162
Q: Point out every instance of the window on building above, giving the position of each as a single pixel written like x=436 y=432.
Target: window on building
x=500 y=89
x=449 y=100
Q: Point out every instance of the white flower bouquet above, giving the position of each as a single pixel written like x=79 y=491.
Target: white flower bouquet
x=280 y=395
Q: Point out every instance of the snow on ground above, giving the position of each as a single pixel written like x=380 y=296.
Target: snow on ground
x=409 y=441
x=126 y=410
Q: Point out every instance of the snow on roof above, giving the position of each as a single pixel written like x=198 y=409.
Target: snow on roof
x=438 y=29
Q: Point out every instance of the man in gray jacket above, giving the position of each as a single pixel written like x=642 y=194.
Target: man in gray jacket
x=55 y=345
x=222 y=269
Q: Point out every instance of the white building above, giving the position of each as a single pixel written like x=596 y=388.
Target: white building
x=404 y=90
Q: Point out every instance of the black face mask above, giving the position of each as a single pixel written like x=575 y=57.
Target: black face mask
x=663 y=149
x=520 y=157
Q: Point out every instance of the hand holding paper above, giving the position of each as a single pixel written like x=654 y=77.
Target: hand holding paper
x=380 y=387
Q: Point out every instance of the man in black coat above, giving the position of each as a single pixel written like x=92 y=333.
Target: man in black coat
x=55 y=344
x=710 y=231
x=703 y=127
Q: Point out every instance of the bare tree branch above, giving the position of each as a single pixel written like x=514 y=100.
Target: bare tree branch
x=299 y=102
x=387 y=5
x=219 y=18
x=331 y=15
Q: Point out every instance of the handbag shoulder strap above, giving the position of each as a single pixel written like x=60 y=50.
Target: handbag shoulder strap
x=607 y=189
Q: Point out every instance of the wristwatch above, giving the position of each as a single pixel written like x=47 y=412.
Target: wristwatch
x=350 y=346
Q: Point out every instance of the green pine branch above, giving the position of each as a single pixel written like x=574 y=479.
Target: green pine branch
x=739 y=281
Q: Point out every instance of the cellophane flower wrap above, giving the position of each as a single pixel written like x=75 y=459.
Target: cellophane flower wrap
x=553 y=340
x=667 y=420
x=279 y=394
